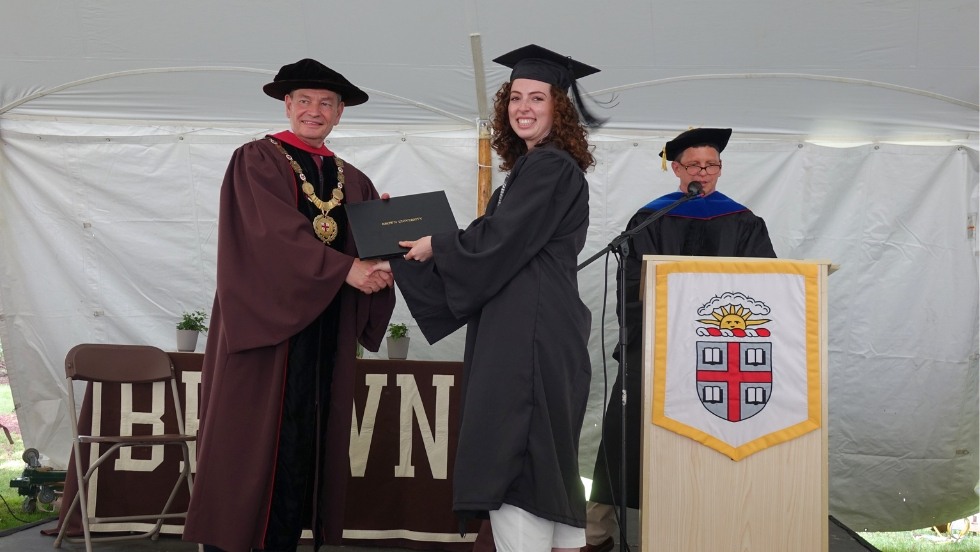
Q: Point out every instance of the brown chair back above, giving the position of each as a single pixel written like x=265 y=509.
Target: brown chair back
x=118 y=363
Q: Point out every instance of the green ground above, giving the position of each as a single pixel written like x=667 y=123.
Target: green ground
x=924 y=540
x=12 y=505
x=12 y=464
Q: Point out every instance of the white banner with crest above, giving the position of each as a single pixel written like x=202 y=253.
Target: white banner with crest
x=736 y=352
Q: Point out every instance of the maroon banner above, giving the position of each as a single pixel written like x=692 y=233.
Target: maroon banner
x=402 y=444
x=403 y=441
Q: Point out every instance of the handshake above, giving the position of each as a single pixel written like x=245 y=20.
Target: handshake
x=375 y=275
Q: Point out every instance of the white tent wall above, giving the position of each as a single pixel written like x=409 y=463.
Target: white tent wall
x=108 y=233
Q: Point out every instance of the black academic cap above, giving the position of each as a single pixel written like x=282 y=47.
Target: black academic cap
x=310 y=73
x=541 y=64
x=714 y=137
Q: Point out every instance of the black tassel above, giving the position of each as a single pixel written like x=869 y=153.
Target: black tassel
x=588 y=118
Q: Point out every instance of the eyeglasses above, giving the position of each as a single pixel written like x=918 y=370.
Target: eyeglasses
x=695 y=169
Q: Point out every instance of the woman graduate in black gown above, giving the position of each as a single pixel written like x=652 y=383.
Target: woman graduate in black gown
x=511 y=278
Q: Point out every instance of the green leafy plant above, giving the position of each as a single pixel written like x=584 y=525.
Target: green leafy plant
x=193 y=321
x=397 y=330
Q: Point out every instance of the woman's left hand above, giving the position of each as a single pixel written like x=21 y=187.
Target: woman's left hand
x=419 y=250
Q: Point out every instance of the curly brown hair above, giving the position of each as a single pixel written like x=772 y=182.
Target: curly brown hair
x=567 y=131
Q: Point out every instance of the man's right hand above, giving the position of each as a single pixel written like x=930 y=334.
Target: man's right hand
x=364 y=276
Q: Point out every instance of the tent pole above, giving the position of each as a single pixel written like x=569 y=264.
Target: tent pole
x=484 y=176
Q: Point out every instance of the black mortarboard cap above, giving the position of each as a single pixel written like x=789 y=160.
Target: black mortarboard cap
x=541 y=64
x=310 y=73
x=714 y=137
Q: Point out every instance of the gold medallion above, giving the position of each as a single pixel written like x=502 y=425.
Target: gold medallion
x=325 y=227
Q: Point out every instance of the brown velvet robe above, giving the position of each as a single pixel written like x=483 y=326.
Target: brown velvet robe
x=274 y=278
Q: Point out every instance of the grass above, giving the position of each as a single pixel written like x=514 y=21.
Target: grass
x=923 y=540
x=12 y=503
x=12 y=513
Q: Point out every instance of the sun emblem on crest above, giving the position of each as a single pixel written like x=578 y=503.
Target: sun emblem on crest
x=732 y=317
x=733 y=314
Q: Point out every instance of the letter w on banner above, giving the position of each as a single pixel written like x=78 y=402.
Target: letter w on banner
x=736 y=352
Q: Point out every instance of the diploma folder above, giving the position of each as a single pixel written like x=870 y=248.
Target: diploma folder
x=379 y=225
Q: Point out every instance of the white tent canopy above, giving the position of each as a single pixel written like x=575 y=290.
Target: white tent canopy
x=856 y=132
x=900 y=70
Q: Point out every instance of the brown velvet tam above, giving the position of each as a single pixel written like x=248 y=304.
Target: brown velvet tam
x=310 y=73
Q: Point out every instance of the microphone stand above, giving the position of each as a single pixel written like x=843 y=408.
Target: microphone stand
x=619 y=246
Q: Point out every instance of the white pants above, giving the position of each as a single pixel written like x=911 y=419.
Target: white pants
x=516 y=530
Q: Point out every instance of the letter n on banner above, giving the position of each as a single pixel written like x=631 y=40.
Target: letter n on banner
x=736 y=352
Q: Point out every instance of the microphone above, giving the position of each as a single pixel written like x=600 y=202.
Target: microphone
x=694 y=189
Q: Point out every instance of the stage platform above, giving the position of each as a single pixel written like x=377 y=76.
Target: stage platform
x=31 y=540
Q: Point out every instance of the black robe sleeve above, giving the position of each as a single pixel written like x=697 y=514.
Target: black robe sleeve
x=469 y=267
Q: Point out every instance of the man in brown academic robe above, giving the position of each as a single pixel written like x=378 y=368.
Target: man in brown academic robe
x=292 y=302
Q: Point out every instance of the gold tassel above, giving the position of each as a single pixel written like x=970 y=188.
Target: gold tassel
x=663 y=159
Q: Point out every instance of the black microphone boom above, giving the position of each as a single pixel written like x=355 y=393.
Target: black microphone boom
x=693 y=191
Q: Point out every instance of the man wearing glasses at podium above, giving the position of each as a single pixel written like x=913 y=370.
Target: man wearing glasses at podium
x=711 y=225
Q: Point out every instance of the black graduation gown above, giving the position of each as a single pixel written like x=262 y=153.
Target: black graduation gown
x=714 y=226
x=511 y=278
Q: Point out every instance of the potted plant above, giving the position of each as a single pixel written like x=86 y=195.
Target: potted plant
x=190 y=326
x=398 y=341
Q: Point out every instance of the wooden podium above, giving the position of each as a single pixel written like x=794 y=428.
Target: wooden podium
x=761 y=492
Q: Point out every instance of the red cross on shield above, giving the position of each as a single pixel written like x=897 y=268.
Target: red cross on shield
x=734 y=379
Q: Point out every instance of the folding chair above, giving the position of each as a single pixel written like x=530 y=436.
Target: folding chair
x=118 y=364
